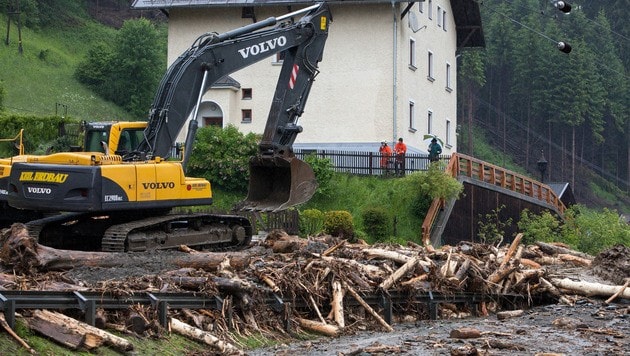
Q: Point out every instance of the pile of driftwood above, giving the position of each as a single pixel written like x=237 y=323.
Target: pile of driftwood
x=324 y=283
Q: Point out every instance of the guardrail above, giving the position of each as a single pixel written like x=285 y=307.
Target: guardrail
x=89 y=302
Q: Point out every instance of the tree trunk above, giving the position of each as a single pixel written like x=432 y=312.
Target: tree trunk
x=203 y=337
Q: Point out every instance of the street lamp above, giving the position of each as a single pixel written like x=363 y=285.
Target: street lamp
x=542 y=166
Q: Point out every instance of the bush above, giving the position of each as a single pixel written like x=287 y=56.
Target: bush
x=311 y=222
x=339 y=223
x=222 y=157
x=544 y=227
x=376 y=223
x=323 y=169
x=592 y=231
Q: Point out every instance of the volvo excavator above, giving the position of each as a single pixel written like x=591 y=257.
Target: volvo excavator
x=123 y=201
x=109 y=137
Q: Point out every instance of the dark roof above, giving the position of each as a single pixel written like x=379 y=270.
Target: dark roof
x=466 y=12
x=564 y=192
x=226 y=82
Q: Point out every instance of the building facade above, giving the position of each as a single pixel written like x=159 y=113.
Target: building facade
x=388 y=71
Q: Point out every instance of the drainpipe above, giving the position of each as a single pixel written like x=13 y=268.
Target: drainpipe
x=394 y=73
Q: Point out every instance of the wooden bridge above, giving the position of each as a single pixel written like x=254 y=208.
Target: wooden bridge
x=488 y=189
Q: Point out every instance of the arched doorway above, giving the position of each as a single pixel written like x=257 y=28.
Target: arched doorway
x=210 y=114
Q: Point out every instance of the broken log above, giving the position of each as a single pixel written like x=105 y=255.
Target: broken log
x=511 y=250
x=24 y=254
x=324 y=329
x=589 y=289
x=80 y=328
x=465 y=333
x=337 y=304
x=551 y=249
x=408 y=266
x=203 y=337
x=508 y=314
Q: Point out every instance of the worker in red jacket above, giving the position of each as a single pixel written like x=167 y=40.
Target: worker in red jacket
x=400 y=149
x=386 y=154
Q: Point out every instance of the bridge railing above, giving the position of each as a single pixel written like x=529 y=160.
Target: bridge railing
x=467 y=166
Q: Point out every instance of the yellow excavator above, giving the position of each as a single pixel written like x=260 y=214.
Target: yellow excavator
x=122 y=201
x=106 y=137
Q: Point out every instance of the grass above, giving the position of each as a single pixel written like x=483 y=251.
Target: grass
x=42 y=76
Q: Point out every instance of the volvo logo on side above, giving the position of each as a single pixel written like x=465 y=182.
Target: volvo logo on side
x=263 y=47
x=159 y=185
x=36 y=190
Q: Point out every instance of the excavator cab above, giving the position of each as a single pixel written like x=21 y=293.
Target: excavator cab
x=277 y=183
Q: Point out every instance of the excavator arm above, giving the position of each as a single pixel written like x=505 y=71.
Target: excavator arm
x=213 y=56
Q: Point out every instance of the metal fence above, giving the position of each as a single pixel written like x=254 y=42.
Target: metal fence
x=371 y=163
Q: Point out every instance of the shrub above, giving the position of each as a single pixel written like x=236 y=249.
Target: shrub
x=376 y=223
x=543 y=227
x=323 y=169
x=591 y=231
x=492 y=226
x=339 y=223
x=311 y=222
x=222 y=157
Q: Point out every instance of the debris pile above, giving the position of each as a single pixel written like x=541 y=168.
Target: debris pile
x=285 y=283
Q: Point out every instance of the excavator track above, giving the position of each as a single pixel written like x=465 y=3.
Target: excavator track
x=208 y=231
x=125 y=232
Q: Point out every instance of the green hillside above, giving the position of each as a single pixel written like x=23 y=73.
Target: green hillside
x=40 y=78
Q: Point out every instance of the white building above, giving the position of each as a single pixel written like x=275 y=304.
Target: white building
x=388 y=71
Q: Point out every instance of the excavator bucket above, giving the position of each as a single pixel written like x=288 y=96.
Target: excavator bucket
x=278 y=183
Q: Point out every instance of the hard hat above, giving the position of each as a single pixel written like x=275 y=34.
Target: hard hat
x=383 y=142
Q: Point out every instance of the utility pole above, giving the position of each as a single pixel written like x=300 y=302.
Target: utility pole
x=19 y=25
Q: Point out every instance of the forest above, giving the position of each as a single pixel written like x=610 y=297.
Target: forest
x=534 y=102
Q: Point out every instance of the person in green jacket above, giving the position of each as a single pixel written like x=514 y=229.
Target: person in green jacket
x=434 y=150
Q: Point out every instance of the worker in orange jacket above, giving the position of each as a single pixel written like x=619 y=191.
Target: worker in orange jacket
x=400 y=149
x=386 y=153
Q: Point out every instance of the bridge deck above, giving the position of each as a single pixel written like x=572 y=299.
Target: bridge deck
x=488 y=189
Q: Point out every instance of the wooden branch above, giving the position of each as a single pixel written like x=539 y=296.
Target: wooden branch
x=368 y=308
x=203 y=337
x=555 y=291
x=334 y=248
x=410 y=265
x=319 y=314
x=15 y=336
x=621 y=290
x=511 y=250
x=324 y=329
x=337 y=304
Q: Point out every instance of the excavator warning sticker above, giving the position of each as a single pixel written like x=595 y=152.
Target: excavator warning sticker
x=294 y=73
x=323 y=22
x=46 y=177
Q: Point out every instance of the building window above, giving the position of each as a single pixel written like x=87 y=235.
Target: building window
x=429 y=121
x=444 y=20
x=246 y=115
x=439 y=16
x=448 y=132
x=421 y=6
x=430 y=66
x=412 y=54
x=412 y=115
x=430 y=5
x=247 y=94
x=448 y=78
